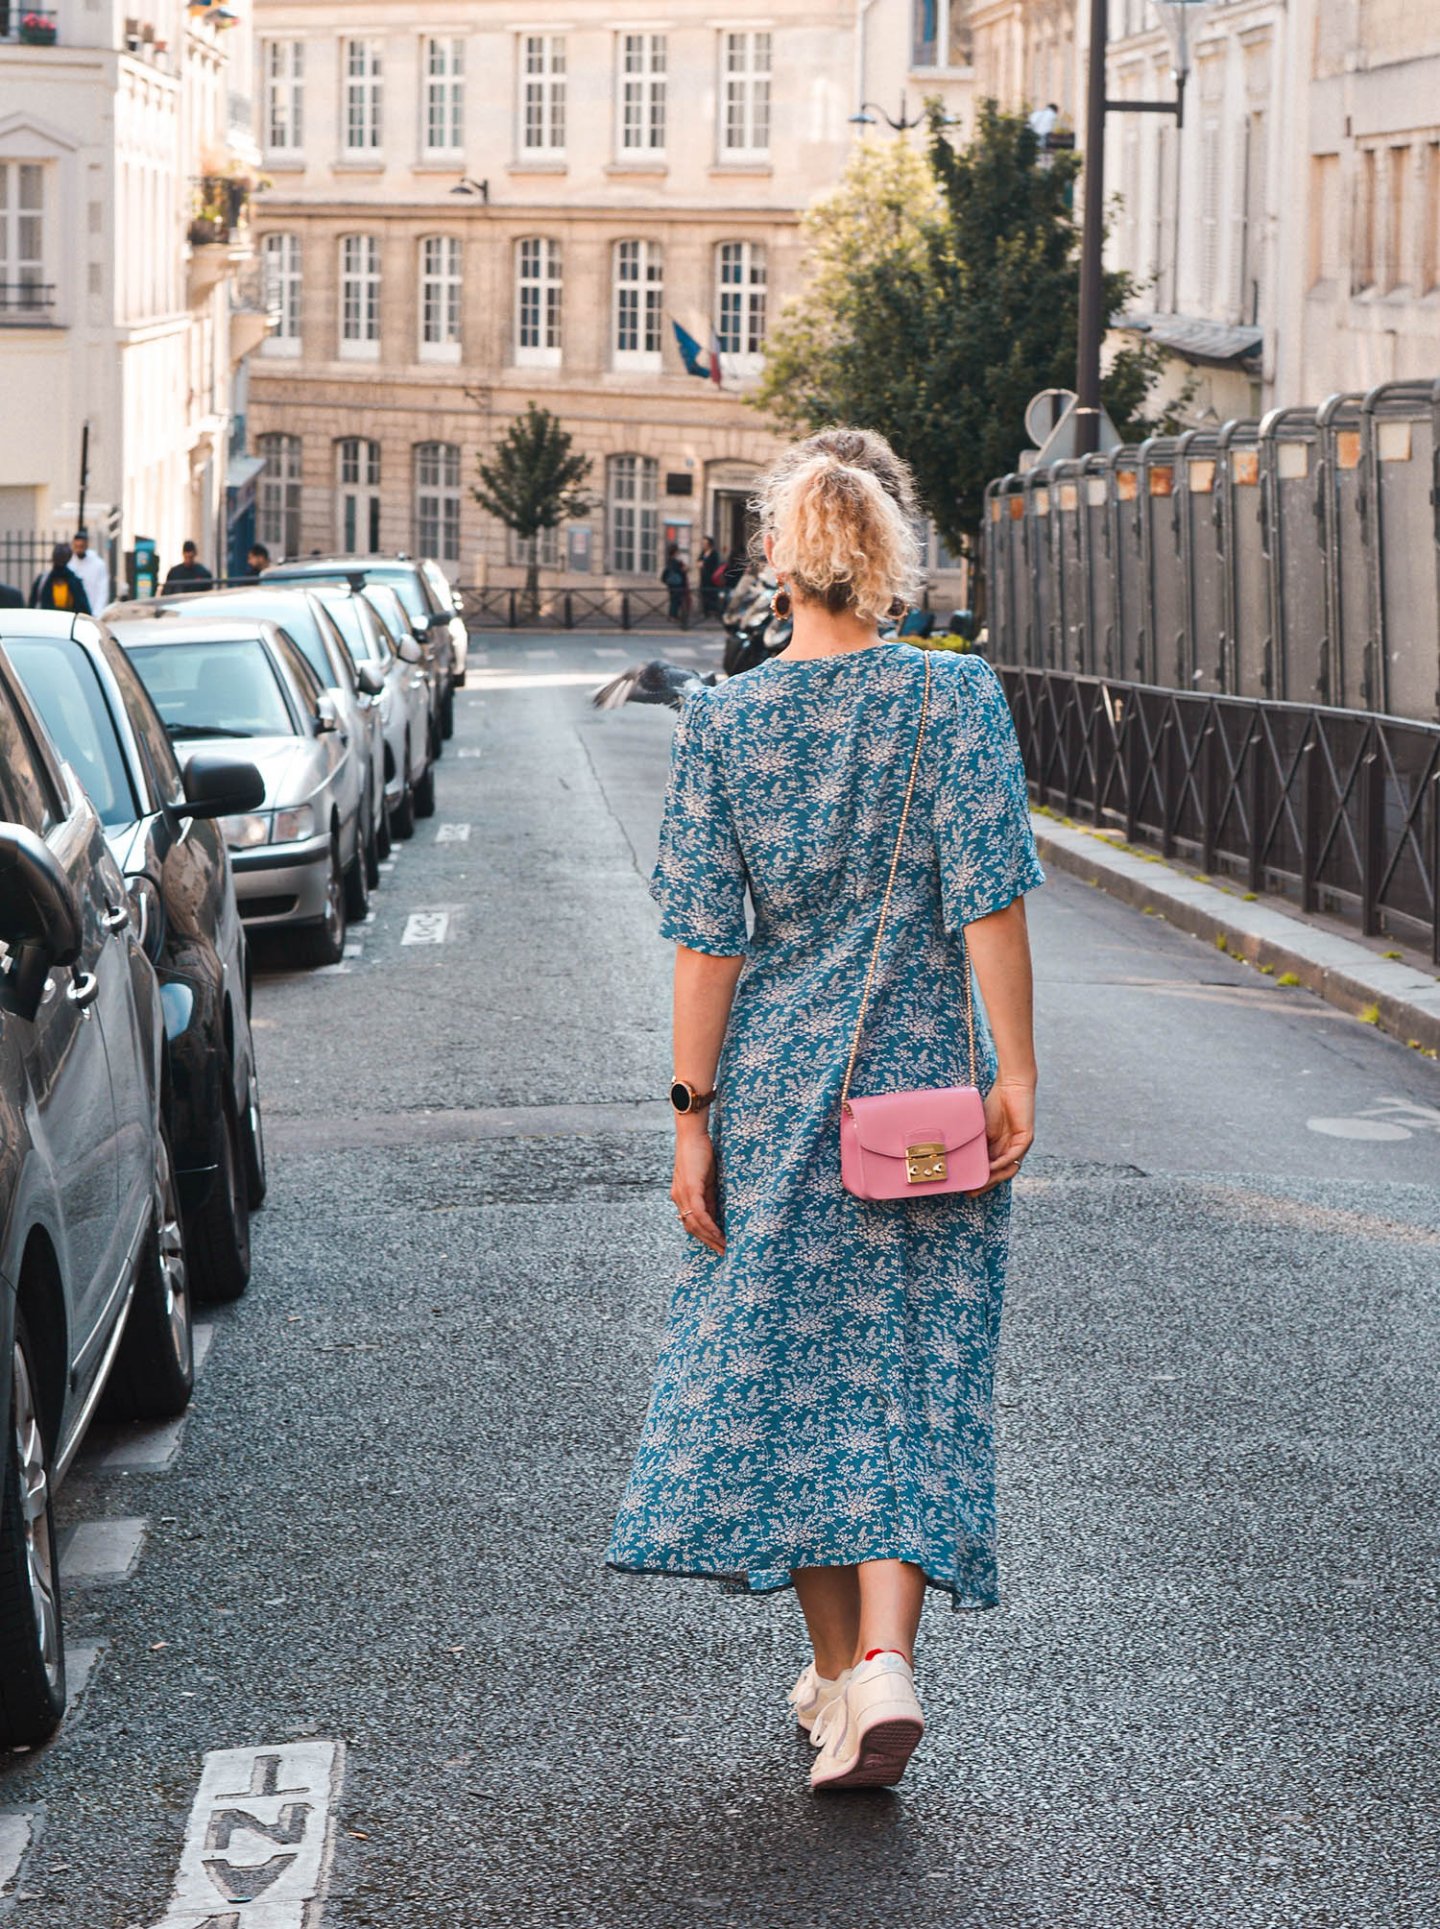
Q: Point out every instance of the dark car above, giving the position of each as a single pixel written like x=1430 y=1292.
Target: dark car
x=94 y=1291
x=103 y=723
x=430 y=614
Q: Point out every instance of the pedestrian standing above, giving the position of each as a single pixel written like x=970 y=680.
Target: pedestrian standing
x=257 y=561
x=821 y=1411
x=676 y=578
x=59 y=588
x=189 y=573
x=709 y=575
x=92 y=571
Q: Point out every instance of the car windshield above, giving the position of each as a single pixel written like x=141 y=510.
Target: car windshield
x=61 y=682
x=389 y=608
x=350 y=623
x=212 y=689
x=406 y=585
x=294 y=611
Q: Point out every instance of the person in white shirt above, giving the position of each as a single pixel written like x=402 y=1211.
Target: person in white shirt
x=91 y=570
x=1042 y=121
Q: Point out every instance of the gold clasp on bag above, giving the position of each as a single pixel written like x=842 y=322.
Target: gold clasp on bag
x=924 y=1163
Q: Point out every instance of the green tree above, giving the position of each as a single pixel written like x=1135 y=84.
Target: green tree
x=943 y=293
x=534 y=481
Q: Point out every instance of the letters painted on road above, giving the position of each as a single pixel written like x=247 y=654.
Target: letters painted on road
x=426 y=927
x=259 y=1840
x=452 y=834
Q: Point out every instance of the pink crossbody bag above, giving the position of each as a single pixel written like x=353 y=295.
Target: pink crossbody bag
x=908 y=1145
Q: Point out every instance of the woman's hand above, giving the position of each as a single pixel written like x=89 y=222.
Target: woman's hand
x=694 y=1188
x=1009 y=1129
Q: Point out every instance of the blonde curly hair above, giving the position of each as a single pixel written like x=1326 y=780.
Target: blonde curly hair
x=839 y=509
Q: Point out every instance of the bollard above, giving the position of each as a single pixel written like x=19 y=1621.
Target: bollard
x=625 y=610
x=569 y=611
x=513 y=620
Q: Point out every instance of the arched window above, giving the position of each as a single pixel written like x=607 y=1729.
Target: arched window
x=634 y=518
x=440 y=298
x=280 y=254
x=437 y=501
x=357 y=496
x=537 y=302
x=278 y=518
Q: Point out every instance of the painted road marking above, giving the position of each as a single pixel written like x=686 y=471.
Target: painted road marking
x=202 y=1340
x=259 y=1839
x=426 y=927
x=538 y=656
x=470 y=751
x=98 y=1552
x=18 y=1829
x=355 y=950
x=138 y=1449
x=452 y=834
x=534 y=680
x=1384 y=1123
x=80 y=1660
x=599 y=650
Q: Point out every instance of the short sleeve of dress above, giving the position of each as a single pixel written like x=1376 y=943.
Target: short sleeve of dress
x=982 y=809
x=699 y=877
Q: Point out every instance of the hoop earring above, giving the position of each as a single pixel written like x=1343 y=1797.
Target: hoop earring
x=780 y=604
x=898 y=608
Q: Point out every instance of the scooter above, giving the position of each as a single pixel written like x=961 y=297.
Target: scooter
x=753 y=632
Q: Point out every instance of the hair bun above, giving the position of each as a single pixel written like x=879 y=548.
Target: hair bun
x=839 y=510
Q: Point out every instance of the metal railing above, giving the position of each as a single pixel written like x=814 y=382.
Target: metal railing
x=25 y=553
x=1336 y=809
x=577 y=609
x=26 y=300
x=1294 y=558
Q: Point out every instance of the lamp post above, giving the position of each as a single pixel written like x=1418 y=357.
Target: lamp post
x=1175 y=17
x=868 y=112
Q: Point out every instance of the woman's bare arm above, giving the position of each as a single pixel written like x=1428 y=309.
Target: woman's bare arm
x=1000 y=953
x=704 y=991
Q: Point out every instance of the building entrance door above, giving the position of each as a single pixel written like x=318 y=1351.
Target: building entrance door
x=733 y=521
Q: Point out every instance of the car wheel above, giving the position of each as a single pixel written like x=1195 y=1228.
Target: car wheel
x=220 y=1247
x=402 y=818
x=425 y=793
x=383 y=844
x=447 y=714
x=357 y=885
x=32 y=1638
x=154 y=1370
x=257 y=1179
x=324 y=943
x=372 y=850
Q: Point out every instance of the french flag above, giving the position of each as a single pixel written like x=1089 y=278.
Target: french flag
x=698 y=360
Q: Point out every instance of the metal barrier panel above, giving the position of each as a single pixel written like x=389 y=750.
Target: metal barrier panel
x=1066 y=498
x=1345 y=506
x=1164 y=567
x=1129 y=563
x=1290 y=483
x=998 y=618
x=1249 y=669
x=1016 y=564
x=1197 y=465
x=1399 y=443
x=1041 y=566
x=1101 y=640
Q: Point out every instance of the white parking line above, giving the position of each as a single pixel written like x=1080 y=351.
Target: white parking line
x=469 y=751
x=99 y=1552
x=356 y=950
x=80 y=1660
x=259 y=1839
x=538 y=656
x=18 y=1828
x=137 y=1449
x=203 y=1340
x=452 y=833
x=600 y=650
x=426 y=927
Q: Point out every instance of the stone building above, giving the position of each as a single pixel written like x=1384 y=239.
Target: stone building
x=468 y=212
x=125 y=158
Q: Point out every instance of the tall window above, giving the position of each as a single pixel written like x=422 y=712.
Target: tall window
x=1397 y=272
x=1211 y=160
x=278 y=517
x=23 y=287
x=745 y=126
x=634 y=518
x=357 y=496
x=543 y=549
x=360 y=297
x=542 y=99
x=362 y=96
x=440 y=298
x=642 y=93
x=938 y=35
x=1430 y=234
x=1365 y=253
x=437 y=501
x=740 y=305
x=283 y=113
x=639 y=303
x=537 y=303
x=280 y=256
x=443 y=117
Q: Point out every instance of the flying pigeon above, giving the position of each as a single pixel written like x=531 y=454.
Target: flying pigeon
x=654 y=682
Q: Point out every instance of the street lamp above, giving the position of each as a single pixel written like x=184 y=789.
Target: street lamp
x=465 y=185
x=1176 y=17
x=868 y=112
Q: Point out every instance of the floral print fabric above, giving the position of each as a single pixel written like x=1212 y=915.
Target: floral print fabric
x=824 y=1389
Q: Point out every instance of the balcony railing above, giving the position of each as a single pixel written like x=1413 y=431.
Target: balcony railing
x=26 y=301
x=220 y=205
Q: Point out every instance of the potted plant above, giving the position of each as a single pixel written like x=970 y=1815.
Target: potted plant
x=38 y=30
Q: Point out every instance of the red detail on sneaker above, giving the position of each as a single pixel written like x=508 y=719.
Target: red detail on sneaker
x=873 y=1652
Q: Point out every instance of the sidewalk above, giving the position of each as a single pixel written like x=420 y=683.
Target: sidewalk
x=1401 y=998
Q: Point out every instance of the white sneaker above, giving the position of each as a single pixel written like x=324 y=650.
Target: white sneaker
x=871 y=1728
x=812 y=1694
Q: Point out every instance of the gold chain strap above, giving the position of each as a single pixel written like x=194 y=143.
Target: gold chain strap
x=885 y=911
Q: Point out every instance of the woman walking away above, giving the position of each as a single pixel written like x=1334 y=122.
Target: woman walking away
x=821 y=1414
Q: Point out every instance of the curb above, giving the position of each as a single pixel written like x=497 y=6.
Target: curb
x=1401 y=999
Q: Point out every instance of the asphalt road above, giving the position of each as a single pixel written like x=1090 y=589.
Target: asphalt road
x=1210 y=1694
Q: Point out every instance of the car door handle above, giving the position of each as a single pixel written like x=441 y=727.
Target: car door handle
x=84 y=989
x=116 y=917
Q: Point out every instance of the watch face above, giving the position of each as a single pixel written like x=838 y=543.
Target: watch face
x=680 y=1095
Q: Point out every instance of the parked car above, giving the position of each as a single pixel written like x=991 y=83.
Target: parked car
x=429 y=614
x=159 y=823
x=448 y=597
x=404 y=703
x=299 y=613
x=94 y=1291
x=391 y=613
x=218 y=684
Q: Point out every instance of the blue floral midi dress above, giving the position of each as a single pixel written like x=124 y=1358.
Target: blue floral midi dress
x=823 y=1393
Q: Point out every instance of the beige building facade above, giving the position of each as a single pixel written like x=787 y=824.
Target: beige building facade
x=468 y=212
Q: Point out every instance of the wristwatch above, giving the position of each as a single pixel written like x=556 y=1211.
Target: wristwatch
x=685 y=1098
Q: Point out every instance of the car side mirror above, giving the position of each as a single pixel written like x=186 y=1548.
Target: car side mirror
x=40 y=922
x=409 y=651
x=442 y=619
x=325 y=717
x=369 y=679
x=220 y=786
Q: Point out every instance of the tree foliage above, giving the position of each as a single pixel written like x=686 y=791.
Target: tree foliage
x=534 y=480
x=943 y=293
